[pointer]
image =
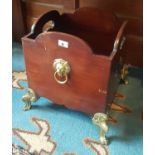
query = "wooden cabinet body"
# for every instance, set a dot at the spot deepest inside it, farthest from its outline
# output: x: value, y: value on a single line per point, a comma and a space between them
x: 94, y: 66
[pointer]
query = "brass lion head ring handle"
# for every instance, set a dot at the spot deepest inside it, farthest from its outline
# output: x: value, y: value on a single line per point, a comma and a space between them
x: 62, y: 70
x: 59, y: 81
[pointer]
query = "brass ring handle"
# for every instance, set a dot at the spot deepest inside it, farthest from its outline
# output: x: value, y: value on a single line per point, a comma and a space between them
x: 62, y: 70
x: 60, y: 82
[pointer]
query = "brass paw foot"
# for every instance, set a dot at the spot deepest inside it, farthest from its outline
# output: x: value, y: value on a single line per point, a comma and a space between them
x: 28, y: 98
x: 124, y: 73
x: 100, y: 119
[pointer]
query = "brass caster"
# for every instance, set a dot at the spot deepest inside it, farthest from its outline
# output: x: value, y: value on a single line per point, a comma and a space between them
x: 28, y: 98
x: 100, y: 119
x: 123, y: 75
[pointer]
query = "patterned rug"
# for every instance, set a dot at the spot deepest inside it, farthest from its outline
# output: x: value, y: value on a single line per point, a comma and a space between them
x: 55, y: 130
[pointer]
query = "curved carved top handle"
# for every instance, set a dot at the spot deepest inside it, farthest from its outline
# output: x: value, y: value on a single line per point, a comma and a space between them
x: 38, y: 25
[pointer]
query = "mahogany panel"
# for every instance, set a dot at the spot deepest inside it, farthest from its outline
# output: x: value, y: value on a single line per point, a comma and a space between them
x: 125, y: 7
x: 35, y: 9
x: 18, y: 30
x: 131, y: 10
x: 89, y: 73
x: 133, y: 51
x: 70, y: 4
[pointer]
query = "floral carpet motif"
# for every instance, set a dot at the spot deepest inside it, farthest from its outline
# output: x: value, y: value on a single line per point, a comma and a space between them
x: 40, y: 142
x: 17, y: 77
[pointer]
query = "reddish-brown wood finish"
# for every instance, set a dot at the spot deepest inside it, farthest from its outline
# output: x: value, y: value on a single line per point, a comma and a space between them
x: 33, y: 9
x: 94, y: 75
x: 18, y: 30
x: 131, y: 10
